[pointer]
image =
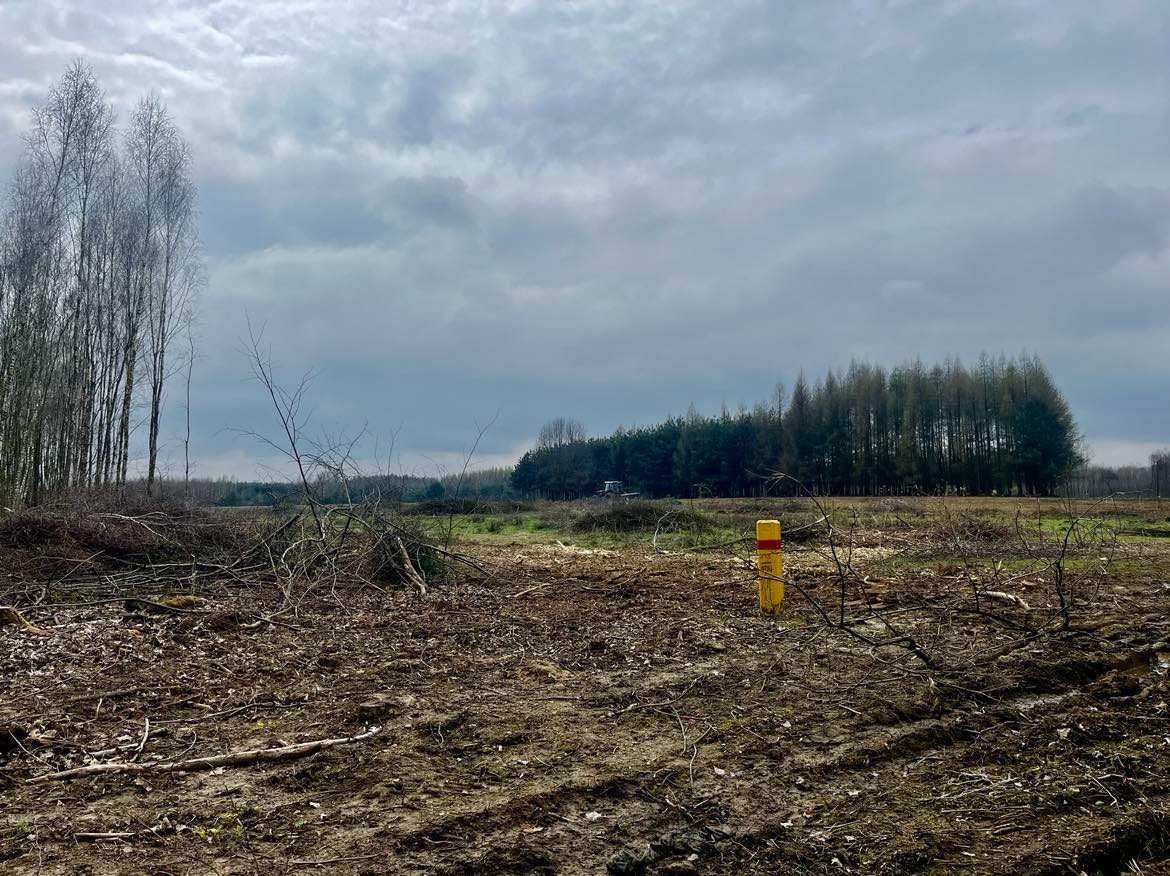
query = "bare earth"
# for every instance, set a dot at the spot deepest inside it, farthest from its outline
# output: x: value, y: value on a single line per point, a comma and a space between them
x: 579, y: 711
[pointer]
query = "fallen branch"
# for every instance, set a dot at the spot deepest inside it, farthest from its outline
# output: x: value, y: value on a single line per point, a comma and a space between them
x: 154, y: 733
x: 528, y: 590
x: 181, y: 605
x: 1006, y: 597
x: 141, y: 745
x: 408, y: 568
x: 122, y: 835
x: 10, y: 616
x: 236, y: 758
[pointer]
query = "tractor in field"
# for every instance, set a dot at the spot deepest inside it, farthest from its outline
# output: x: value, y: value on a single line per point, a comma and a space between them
x: 613, y: 491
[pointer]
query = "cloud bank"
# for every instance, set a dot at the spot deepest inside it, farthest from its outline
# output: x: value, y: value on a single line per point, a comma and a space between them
x: 612, y: 210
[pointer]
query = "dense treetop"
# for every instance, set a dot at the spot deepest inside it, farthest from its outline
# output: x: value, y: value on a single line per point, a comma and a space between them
x: 1002, y: 426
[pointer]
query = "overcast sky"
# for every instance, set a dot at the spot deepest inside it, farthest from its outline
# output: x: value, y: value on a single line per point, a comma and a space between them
x: 610, y: 210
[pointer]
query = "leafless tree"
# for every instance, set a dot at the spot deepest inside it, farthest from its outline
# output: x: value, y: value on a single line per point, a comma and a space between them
x: 1160, y: 472
x: 98, y: 269
x: 362, y: 540
x: 560, y: 431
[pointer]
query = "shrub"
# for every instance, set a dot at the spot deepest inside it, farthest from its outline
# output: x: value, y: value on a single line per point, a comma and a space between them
x: 639, y: 516
x: 443, y: 507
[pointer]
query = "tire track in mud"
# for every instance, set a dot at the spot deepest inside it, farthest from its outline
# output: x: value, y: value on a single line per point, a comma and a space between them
x: 491, y: 828
x: 544, y: 803
x: 879, y: 742
x: 516, y: 811
x: 1144, y: 831
x: 1141, y: 840
x: 877, y: 746
x: 493, y: 837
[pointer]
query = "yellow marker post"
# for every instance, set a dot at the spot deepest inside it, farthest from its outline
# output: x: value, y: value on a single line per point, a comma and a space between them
x: 769, y: 566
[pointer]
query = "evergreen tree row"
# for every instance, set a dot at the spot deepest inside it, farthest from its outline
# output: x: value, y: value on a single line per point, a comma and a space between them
x: 1000, y: 427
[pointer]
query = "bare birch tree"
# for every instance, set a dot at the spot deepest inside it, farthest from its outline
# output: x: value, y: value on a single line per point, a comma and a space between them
x: 98, y: 270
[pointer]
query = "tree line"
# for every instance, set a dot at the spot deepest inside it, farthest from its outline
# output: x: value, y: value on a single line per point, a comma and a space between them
x: 99, y: 265
x: 391, y: 489
x: 1000, y: 427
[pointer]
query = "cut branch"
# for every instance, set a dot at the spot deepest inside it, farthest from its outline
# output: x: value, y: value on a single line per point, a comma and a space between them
x: 235, y: 758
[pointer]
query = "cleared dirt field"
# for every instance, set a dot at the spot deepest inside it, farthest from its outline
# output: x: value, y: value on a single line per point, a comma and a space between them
x: 586, y: 708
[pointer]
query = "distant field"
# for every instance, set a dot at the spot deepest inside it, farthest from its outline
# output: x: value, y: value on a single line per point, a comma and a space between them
x: 694, y: 523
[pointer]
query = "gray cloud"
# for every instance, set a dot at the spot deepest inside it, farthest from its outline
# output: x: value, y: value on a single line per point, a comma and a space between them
x: 614, y: 210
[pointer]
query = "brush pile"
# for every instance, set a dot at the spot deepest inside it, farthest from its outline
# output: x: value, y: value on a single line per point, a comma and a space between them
x: 636, y: 516
x: 71, y: 552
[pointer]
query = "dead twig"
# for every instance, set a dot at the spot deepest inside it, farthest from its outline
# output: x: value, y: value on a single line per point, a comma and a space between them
x: 9, y: 616
x: 142, y: 744
x: 195, y: 764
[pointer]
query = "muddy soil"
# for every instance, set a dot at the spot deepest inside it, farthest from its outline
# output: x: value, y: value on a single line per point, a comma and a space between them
x: 585, y: 712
